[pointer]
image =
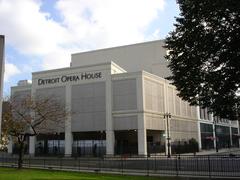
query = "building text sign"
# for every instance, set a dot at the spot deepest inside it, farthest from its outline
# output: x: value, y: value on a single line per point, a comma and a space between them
x: 71, y: 78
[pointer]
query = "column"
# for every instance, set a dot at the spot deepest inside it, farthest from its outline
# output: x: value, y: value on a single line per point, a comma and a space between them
x: 214, y: 135
x: 68, y: 125
x: 142, y: 131
x: 230, y: 132
x: 32, y: 145
x: 110, y: 138
x: 68, y: 143
x: 199, y: 128
x: 238, y: 126
x: 142, y: 136
x: 10, y: 145
x: 142, y: 142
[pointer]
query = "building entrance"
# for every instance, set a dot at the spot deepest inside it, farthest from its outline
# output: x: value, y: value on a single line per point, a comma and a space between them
x: 155, y: 142
x: 50, y: 144
x: 89, y: 144
x: 126, y: 142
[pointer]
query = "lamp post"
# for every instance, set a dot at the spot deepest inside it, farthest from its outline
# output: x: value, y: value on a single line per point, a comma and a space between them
x: 167, y: 116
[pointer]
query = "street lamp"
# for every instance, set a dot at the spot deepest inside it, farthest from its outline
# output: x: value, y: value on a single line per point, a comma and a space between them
x: 166, y: 116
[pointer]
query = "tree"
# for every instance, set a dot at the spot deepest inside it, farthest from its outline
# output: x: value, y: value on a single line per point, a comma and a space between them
x: 28, y: 117
x: 204, y: 55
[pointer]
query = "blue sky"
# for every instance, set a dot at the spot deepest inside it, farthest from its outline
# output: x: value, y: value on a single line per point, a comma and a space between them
x: 42, y: 34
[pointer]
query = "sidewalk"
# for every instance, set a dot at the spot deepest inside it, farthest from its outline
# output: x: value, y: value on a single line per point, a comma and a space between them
x: 226, y: 151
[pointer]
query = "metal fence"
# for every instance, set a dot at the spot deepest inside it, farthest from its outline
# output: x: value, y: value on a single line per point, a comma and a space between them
x: 178, y: 165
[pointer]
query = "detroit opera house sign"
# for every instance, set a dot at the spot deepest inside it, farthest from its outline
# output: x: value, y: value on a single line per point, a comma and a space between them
x: 74, y: 78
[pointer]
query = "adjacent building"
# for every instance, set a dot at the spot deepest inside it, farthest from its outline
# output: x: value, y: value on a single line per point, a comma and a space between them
x: 118, y: 97
x: 215, y: 132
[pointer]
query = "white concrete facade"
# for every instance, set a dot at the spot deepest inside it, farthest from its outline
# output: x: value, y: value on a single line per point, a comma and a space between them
x: 130, y: 96
x: 148, y: 56
x: 140, y: 97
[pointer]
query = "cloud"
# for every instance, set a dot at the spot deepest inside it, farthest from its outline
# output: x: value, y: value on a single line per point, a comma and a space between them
x: 55, y: 59
x: 28, y: 29
x: 10, y: 71
x: 85, y: 25
x: 108, y: 23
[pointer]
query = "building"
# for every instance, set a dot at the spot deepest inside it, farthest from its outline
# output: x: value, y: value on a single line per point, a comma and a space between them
x: 119, y: 98
x: 2, y: 42
x: 215, y: 132
x: 132, y: 58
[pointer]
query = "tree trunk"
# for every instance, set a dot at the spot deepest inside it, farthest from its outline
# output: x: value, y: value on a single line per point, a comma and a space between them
x: 20, y: 155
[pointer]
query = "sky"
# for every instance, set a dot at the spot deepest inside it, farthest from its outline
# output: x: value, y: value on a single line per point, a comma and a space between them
x: 42, y: 34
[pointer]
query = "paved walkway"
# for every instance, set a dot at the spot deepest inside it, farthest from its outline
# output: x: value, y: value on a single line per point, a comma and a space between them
x: 226, y: 151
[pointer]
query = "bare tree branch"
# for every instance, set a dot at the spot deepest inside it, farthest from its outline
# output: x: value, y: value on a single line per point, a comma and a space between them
x: 29, y: 117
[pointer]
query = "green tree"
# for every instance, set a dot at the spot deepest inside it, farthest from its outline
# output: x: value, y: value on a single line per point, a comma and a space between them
x: 204, y: 55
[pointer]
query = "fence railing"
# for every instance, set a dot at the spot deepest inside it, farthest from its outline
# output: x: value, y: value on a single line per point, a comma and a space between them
x: 177, y: 165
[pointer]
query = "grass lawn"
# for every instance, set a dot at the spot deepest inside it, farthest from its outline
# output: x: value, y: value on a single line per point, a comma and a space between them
x: 27, y: 174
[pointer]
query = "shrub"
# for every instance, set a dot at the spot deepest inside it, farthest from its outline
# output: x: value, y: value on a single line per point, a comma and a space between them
x: 181, y: 147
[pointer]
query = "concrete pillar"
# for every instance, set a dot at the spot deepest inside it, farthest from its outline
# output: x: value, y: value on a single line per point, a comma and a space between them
x: 199, y: 136
x: 142, y: 142
x: 142, y: 131
x: 238, y: 125
x: 230, y: 132
x: 68, y: 124
x: 68, y: 143
x: 140, y: 93
x: 32, y: 140
x: 142, y: 135
x: 110, y: 138
x: 10, y: 145
x: 199, y: 128
x: 214, y: 136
